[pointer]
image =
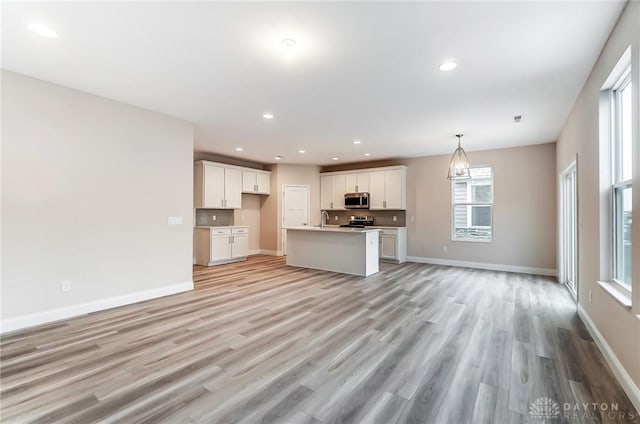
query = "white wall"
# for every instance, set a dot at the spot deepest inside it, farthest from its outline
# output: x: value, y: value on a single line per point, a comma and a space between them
x: 619, y: 326
x: 87, y: 186
x: 524, y: 210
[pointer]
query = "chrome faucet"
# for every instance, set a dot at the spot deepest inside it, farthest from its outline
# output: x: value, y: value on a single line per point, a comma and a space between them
x: 323, y: 215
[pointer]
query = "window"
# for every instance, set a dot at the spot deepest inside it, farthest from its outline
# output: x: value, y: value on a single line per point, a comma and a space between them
x: 621, y: 153
x: 473, y: 206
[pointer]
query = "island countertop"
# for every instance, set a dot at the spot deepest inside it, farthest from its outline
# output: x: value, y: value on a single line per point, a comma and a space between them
x: 334, y: 229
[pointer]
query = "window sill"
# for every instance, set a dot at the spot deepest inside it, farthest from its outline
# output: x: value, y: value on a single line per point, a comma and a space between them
x: 617, y: 293
x: 473, y: 240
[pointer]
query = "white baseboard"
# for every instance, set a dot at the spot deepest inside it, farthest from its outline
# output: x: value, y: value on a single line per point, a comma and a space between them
x: 264, y: 252
x: 25, y: 321
x: 483, y: 265
x: 623, y: 377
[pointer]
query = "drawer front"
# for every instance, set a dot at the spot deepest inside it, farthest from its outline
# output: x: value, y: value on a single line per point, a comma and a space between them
x: 220, y: 232
x: 239, y: 230
x: 389, y: 232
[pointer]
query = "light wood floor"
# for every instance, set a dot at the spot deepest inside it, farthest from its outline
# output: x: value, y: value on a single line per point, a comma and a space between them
x: 262, y: 342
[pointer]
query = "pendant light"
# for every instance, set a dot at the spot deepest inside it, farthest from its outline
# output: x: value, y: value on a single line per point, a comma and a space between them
x: 459, y: 164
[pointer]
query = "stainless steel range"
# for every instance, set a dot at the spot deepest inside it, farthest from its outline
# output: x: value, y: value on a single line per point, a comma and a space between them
x: 360, y: 222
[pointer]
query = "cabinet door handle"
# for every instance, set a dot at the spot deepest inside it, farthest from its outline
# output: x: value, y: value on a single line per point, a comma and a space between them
x: 384, y: 204
x: 356, y: 187
x: 222, y: 203
x: 229, y: 239
x: 331, y: 205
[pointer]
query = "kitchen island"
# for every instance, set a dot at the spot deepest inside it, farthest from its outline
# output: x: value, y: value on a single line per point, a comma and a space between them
x: 345, y: 250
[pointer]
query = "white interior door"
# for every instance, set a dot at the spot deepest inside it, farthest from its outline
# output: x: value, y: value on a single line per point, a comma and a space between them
x: 295, y: 209
x: 570, y: 229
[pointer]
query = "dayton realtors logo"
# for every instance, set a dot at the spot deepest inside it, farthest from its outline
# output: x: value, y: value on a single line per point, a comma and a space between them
x: 547, y: 410
x: 544, y: 408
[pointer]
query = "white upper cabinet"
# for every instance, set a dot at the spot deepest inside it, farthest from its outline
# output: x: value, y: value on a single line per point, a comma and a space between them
x: 339, y: 189
x: 209, y: 185
x: 219, y: 186
x: 257, y: 182
x: 332, y: 190
x: 387, y: 187
x: 395, y: 190
x: 357, y: 183
x: 232, y: 188
x: 326, y: 192
x: 377, y: 190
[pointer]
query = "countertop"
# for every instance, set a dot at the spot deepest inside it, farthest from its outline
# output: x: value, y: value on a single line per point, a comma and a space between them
x: 334, y: 229
x: 373, y: 227
x: 221, y: 226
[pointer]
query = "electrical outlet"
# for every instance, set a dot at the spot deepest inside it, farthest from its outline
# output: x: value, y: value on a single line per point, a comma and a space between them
x: 395, y: 218
x: 444, y: 248
x: 590, y: 296
x: 65, y: 286
x: 213, y: 217
x: 412, y: 219
x: 174, y: 220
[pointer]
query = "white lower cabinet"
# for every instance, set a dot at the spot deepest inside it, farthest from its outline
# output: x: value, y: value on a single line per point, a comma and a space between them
x: 392, y: 245
x: 220, y: 245
x: 239, y: 243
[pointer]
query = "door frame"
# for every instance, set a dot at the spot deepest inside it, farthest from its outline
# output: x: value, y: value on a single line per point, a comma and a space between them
x: 282, y: 248
x: 562, y: 275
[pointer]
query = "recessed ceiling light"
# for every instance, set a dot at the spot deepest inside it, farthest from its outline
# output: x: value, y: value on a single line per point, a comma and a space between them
x: 448, y: 66
x: 267, y: 115
x: 357, y: 142
x: 301, y: 151
x: 289, y: 43
x: 334, y: 158
x: 278, y: 157
x: 367, y: 154
x: 239, y: 149
x: 42, y: 30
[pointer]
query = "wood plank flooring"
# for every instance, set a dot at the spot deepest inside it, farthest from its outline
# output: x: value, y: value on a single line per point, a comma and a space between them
x: 258, y: 341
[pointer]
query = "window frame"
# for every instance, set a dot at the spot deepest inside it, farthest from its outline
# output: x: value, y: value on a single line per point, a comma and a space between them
x: 618, y: 185
x: 469, y: 213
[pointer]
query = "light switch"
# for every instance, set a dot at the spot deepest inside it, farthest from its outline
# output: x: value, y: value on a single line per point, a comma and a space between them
x: 174, y: 220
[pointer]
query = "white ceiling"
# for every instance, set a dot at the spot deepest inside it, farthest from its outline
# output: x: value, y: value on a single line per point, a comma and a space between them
x: 359, y: 70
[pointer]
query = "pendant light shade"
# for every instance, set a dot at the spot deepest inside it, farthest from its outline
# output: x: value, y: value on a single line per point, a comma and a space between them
x: 459, y: 164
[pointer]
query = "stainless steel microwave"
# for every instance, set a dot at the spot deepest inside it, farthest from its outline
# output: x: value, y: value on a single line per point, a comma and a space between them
x: 356, y: 201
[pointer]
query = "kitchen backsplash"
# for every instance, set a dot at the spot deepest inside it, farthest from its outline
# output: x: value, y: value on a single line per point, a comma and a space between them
x: 381, y: 218
x: 204, y: 217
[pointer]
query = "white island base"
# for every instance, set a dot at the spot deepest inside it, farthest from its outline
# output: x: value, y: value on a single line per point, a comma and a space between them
x: 346, y: 250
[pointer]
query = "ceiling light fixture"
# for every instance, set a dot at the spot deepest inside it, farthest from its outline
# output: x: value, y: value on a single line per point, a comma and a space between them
x: 449, y: 65
x: 42, y: 30
x: 268, y: 115
x: 301, y: 151
x: 278, y: 157
x: 367, y: 154
x: 459, y: 164
x: 289, y: 44
x: 357, y: 142
x: 335, y: 158
x: 239, y: 149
